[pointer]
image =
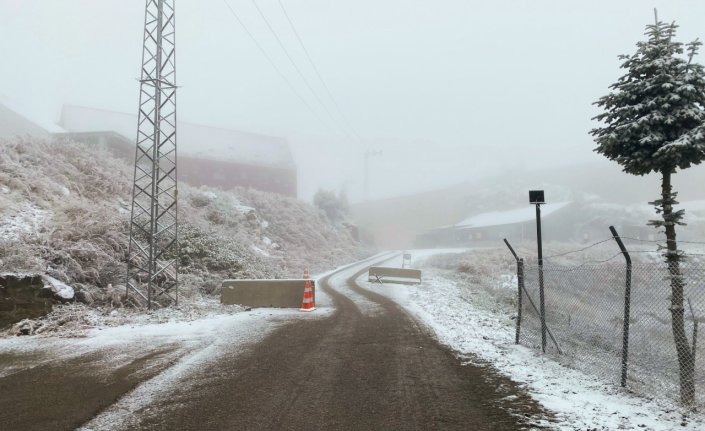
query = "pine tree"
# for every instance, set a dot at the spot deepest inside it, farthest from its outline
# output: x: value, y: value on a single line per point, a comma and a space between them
x: 654, y: 122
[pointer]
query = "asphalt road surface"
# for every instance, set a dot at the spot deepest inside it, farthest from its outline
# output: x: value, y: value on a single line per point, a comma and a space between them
x: 350, y: 371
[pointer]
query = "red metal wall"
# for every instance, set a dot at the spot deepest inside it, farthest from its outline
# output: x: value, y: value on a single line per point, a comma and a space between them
x: 227, y: 175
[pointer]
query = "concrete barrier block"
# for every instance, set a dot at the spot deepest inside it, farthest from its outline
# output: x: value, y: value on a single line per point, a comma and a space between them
x: 265, y: 293
x: 394, y: 275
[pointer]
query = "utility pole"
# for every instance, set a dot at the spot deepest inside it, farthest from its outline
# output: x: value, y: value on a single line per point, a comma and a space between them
x: 152, y: 266
x: 368, y: 154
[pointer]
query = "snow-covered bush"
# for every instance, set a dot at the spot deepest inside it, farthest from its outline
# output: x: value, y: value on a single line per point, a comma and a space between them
x: 73, y: 227
x: 335, y: 207
x: 315, y: 242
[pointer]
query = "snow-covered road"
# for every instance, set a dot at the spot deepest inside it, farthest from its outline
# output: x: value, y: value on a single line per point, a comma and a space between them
x: 147, y: 359
x: 114, y: 377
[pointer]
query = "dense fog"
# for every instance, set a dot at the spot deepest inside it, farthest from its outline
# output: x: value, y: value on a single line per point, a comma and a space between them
x: 448, y: 91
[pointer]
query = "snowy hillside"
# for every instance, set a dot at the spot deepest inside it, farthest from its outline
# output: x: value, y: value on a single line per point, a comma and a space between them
x: 65, y: 208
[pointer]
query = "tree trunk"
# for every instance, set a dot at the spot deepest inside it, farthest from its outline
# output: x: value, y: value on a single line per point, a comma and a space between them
x: 686, y: 362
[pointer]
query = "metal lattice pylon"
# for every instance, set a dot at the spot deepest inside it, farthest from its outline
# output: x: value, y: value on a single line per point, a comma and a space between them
x: 152, y: 269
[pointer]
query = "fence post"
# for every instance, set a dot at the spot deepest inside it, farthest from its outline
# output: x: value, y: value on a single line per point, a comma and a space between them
x: 520, y: 280
x: 520, y: 286
x: 542, y: 298
x: 627, y: 304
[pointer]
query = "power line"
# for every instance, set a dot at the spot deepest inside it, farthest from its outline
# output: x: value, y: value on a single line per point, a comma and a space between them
x: 315, y: 69
x: 279, y: 72
x: 293, y: 63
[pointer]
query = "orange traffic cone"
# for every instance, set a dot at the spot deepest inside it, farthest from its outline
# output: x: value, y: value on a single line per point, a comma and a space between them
x: 308, y: 304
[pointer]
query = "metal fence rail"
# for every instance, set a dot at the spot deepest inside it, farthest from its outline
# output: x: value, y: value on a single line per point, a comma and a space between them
x: 584, y: 316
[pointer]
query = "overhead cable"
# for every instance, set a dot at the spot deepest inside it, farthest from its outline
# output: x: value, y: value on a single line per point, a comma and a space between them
x: 293, y: 63
x: 318, y: 73
x: 274, y: 66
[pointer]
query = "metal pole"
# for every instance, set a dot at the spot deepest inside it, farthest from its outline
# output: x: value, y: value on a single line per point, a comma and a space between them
x: 368, y: 155
x: 520, y: 279
x: 367, y: 176
x: 520, y: 287
x: 627, y: 305
x: 520, y: 270
x: 542, y: 302
x: 511, y: 249
x: 154, y: 210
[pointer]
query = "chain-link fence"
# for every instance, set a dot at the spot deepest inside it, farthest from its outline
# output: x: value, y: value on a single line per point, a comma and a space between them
x: 584, y: 312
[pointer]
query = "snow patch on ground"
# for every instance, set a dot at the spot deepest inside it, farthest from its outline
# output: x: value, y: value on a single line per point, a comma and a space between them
x: 205, y: 340
x: 190, y: 345
x: 210, y: 195
x: 338, y: 283
x: 25, y: 221
x: 60, y: 289
x: 366, y: 307
x: 243, y: 209
x: 419, y: 255
x: 260, y: 251
x: 466, y: 321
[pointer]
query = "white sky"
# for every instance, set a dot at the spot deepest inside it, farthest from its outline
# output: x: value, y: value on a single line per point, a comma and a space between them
x: 447, y: 89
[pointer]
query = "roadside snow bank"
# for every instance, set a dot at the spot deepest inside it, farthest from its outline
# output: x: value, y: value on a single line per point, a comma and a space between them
x: 25, y: 221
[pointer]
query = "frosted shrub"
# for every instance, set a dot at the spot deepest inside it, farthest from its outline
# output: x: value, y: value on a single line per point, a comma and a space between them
x: 76, y: 200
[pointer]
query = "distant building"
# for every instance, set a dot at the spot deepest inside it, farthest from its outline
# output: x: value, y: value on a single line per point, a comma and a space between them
x: 585, y: 222
x: 208, y: 156
x: 518, y: 224
x: 16, y: 122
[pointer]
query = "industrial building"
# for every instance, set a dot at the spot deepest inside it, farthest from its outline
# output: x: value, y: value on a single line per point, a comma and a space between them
x: 209, y: 156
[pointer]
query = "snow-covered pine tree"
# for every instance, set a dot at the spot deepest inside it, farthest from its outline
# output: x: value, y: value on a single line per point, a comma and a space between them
x: 653, y: 122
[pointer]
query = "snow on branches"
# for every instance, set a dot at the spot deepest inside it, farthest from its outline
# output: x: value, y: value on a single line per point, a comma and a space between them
x: 653, y: 117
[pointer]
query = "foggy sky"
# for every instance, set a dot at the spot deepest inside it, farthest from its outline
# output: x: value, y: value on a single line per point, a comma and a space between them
x: 449, y: 90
